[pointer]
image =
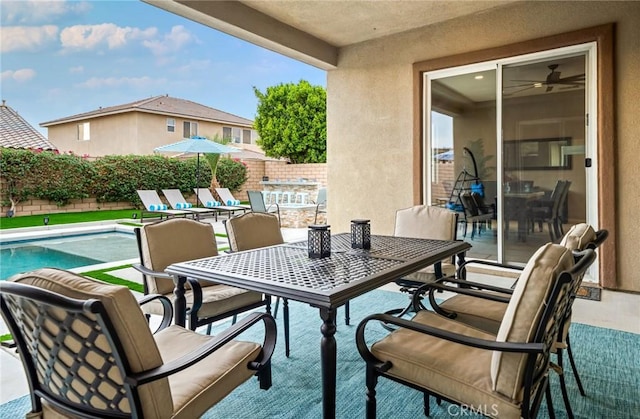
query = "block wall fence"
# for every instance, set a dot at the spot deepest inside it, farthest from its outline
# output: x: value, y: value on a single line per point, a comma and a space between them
x: 256, y: 170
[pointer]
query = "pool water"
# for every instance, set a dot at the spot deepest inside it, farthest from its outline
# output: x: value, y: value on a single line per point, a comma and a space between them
x: 66, y: 252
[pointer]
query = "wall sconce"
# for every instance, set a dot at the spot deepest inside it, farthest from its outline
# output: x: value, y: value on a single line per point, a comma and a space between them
x: 360, y: 234
x: 45, y: 220
x: 319, y: 241
x: 134, y: 215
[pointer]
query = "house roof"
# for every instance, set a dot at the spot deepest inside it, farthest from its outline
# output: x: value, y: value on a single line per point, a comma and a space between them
x: 161, y: 105
x: 15, y: 132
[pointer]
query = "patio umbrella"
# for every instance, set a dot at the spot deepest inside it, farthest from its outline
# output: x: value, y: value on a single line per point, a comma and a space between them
x: 197, y: 145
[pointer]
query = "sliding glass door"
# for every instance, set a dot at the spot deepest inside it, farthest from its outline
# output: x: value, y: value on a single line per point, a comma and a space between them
x: 507, y: 145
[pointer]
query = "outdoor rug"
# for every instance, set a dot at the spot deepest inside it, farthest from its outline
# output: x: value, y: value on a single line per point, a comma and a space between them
x: 607, y: 361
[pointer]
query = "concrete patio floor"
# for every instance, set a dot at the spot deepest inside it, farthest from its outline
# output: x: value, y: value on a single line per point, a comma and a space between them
x: 616, y: 310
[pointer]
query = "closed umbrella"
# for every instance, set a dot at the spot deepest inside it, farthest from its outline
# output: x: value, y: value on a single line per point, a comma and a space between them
x: 196, y: 145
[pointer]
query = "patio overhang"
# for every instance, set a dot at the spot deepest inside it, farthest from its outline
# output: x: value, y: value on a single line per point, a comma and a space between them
x: 314, y: 31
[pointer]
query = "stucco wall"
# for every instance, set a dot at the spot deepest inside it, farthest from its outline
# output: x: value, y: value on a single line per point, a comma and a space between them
x: 370, y: 110
x: 126, y: 133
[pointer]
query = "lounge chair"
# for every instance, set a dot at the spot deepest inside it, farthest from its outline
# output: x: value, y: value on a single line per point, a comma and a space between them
x: 207, y: 200
x: 256, y: 201
x: 177, y: 202
x: 154, y: 205
x: 227, y: 198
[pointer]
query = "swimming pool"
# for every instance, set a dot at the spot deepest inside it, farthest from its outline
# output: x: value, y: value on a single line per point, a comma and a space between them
x: 66, y: 252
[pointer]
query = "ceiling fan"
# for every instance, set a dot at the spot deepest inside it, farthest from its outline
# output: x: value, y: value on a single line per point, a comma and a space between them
x: 553, y: 79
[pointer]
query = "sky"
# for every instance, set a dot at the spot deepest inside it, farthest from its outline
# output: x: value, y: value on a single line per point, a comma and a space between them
x: 61, y: 58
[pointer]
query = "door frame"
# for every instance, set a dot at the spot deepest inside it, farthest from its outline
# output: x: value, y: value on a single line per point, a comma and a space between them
x: 603, y: 36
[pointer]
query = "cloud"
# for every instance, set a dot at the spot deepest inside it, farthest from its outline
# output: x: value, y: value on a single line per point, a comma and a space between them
x: 22, y: 75
x: 118, y: 82
x: 36, y: 11
x: 171, y: 42
x: 76, y: 70
x: 25, y: 38
x: 89, y: 37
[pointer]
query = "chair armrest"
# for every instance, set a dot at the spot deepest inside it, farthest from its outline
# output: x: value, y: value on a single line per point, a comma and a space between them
x: 213, y: 345
x: 195, y: 286
x: 146, y: 271
x: 462, y: 268
x: 463, y: 283
x: 518, y: 347
x: 167, y: 307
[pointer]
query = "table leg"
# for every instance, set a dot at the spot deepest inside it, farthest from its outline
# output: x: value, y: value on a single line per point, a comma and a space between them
x: 180, y: 303
x: 328, y: 358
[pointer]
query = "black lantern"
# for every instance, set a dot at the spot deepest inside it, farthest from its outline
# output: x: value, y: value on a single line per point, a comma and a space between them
x: 360, y: 234
x: 45, y: 220
x: 319, y: 241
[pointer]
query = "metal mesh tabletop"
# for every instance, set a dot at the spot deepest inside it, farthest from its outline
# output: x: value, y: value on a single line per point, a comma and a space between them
x: 290, y: 265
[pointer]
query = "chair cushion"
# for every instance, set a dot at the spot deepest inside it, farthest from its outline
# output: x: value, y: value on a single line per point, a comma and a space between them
x: 428, y: 274
x: 216, y: 299
x: 425, y: 221
x: 195, y: 389
x: 171, y: 241
x: 578, y: 237
x: 523, y: 314
x: 253, y: 230
x: 483, y: 314
x: 461, y: 373
x: 128, y: 322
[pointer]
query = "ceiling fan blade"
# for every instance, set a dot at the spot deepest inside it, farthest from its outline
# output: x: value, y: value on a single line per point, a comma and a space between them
x: 549, y: 88
x: 577, y: 77
x: 517, y: 91
x: 519, y: 85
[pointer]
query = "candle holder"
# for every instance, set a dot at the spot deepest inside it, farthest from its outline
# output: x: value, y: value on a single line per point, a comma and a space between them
x: 319, y: 241
x: 360, y: 234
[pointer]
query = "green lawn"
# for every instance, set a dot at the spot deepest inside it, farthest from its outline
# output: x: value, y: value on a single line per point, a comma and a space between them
x: 67, y: 218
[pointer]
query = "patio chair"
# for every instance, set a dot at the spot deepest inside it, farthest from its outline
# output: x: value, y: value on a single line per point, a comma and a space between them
x: 177, y: 201
x: 503, y: 374
x: 178, y: 240
x: 484, y: 306
x: 154, y: 205
x: 207, y: 200
x: 321, y: 203
x: 227, y: 198
x: 88, y: 352
x: 549, y: 210
x: 254, y: 230
x: 424, y: 222
x: 256, y: 201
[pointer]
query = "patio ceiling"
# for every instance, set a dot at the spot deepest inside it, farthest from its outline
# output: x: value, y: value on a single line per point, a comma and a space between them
x: 313, y: 31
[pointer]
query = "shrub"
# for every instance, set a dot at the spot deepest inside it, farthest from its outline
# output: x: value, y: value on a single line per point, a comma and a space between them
x: 63, y: 177
x: 231, y: 173
x: 45, y: 175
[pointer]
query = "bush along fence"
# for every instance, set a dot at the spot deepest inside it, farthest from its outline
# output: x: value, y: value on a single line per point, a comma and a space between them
x: 37, y: 182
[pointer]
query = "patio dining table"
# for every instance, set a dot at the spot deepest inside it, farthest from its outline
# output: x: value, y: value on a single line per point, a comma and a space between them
x: 287, y: 271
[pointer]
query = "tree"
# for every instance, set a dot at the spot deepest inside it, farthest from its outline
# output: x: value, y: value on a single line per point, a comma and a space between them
x: 292, y: 122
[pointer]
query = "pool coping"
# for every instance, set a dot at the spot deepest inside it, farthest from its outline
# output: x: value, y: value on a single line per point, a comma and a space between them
x: 46, y: 232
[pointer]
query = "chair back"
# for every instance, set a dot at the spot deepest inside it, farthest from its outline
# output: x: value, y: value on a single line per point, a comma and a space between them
x: 204, y: 195
x: 171, y: 241
x: 79, y: 339
x: 149, y: 197
x: 256, y: 201
x: 225, y: 195
x: 175, y: 197
x: 322, y: 197
x: 253, y: 230
x: 535, y: 314
x: 426, y: 222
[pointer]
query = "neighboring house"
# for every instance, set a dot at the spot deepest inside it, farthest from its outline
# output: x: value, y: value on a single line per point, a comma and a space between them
x: 15, y: 132
x: 139, y: 127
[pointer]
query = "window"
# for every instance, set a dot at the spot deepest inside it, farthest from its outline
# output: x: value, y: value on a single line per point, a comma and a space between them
x: 84, y: 132
x: 171, y: 125
x: 246, y: 136
x: 226, y: 133
x: 235, y: 135
x: 190, y: 129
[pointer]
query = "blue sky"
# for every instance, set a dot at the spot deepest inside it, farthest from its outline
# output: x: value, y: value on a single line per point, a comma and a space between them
x: 61, y: 58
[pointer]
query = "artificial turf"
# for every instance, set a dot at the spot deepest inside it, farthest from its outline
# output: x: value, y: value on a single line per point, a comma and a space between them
x: 66, y: 218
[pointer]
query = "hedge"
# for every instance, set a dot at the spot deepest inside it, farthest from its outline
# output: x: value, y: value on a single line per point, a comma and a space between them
x: 63, y: 177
